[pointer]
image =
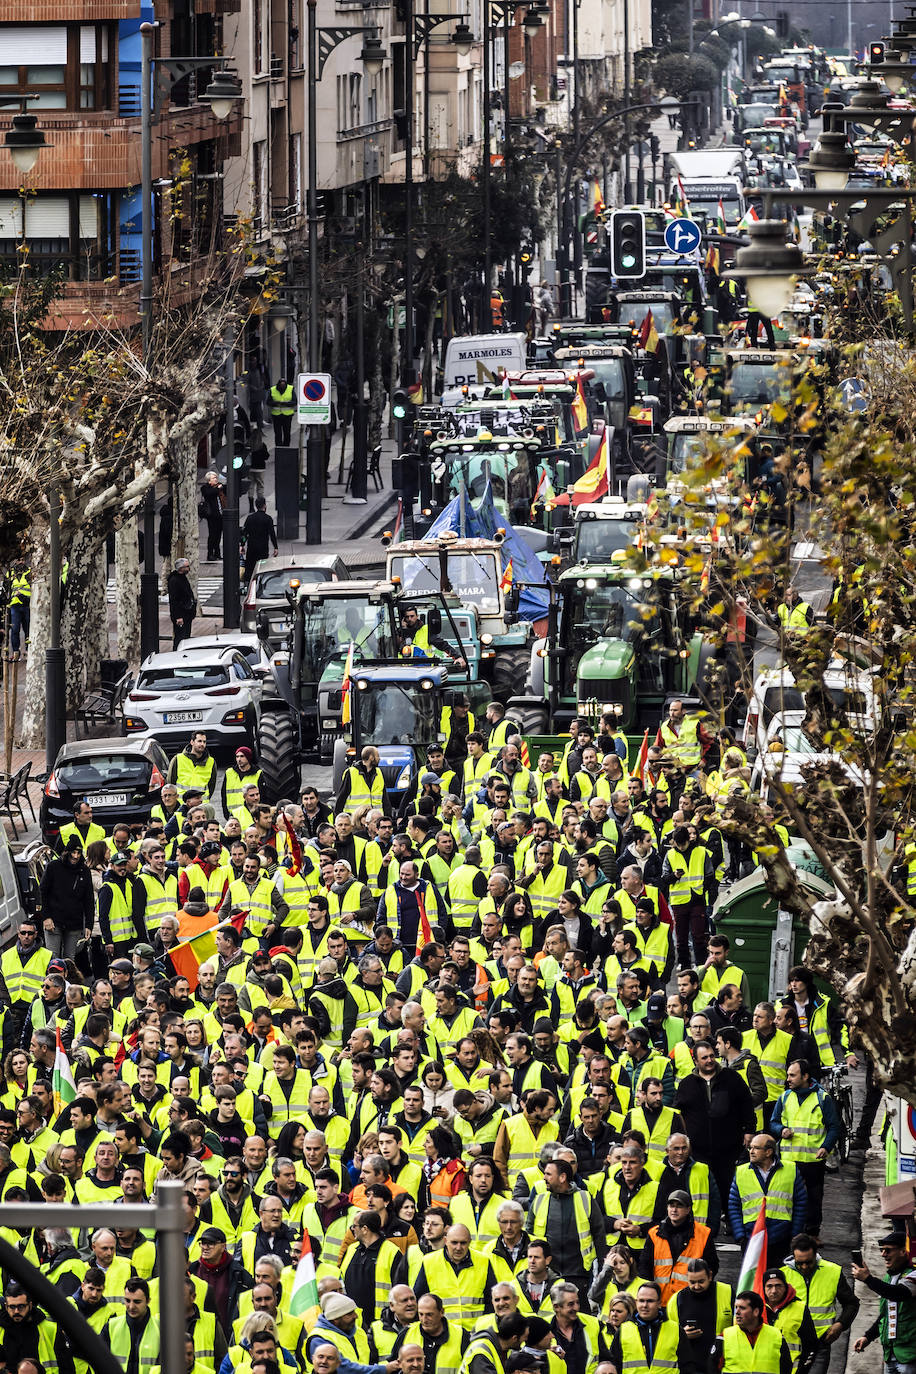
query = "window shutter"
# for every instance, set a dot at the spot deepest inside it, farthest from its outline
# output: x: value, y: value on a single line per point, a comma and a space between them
x: 87, y: 43
x: 89, y: 217
x: 47, y: 217
x: 39, y: 44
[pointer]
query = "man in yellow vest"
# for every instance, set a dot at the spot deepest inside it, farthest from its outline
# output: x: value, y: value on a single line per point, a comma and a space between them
x: 786, y: 1311
x: 282, y: 410
x: 794, y: 614
x: 463, y: 1279
x: 363, y: 784
x: 751, y: 1344
x: 81, y: 828
x: 648, y: 1344
x: 194, y: 766
x: 134, y: 1338
x: 682, y: 737
x: 19, y: 588
x: 689, y: 882
x: 571, y: 1222
x: 806, y: 1118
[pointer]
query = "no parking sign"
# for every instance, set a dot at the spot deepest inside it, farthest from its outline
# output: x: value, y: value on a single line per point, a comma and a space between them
x: 313, y: 398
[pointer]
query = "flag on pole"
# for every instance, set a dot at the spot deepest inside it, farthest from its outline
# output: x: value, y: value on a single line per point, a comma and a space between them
x: 682, y: 197
x: 647, y: 338
x: 346, y: 687
x: 720, y: 217
x: 592, y: 485
x: 295, y: 848
x: 507, y: 390
x: 640, y: 769
x: 543, y: 491
x: 424, y: 929
x: 753, y: 1266
x: 749, y: 217
x: 303, y: 1300
x: 62, y: 1082
x: 187, y: 957
x: 505, y: 582
x: 415, y: 393
x: 579, y: 408
x: 598, y: 206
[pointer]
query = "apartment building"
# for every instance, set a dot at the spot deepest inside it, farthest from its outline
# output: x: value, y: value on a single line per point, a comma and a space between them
x: 79, y: 210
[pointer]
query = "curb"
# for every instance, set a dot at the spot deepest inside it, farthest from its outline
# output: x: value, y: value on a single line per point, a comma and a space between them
x: 369, y: 517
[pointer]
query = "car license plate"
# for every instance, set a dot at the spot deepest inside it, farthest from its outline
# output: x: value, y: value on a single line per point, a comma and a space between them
x: 106, y: 799
x: 183, y: 717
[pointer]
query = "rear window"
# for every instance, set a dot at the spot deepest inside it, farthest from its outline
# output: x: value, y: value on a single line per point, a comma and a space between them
x: 851, y: 700
x: 101, y: 771
x: 274, y: 585
x: 185, y: 678
x: 779, y: 699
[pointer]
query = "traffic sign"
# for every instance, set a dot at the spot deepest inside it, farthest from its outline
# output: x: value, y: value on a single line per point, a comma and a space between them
x: 682, y: 236
x: 313, y: 398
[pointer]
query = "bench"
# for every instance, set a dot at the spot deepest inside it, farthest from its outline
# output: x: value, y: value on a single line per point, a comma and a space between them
x: 14, y: 789
x: 102, y: 707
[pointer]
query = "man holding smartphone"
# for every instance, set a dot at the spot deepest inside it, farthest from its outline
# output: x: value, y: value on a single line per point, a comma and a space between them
x: 702, y: 1310
x: 896, y: 1324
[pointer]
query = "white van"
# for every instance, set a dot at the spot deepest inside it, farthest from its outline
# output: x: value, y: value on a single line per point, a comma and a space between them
x: 480, y: 359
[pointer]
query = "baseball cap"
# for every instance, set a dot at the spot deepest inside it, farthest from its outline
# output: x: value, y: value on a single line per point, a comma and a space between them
x: 427, y: 779
x: 211, y: 847
x: 212, y: 1235
x: 656, y: 1007
x: 122, y: 857
x: 680, y: 1196
x: 145, y: 951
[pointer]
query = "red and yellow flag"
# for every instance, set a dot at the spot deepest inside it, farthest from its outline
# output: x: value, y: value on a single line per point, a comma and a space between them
x: 505, y: 582
x: 592, y: 485
x: 647, y: 338
x: 579, y: 408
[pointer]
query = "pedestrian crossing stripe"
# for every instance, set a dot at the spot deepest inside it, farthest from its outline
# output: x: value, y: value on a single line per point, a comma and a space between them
x: 206, y: 587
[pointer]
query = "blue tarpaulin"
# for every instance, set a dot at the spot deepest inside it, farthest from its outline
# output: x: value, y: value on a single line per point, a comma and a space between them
x: 482, y: 522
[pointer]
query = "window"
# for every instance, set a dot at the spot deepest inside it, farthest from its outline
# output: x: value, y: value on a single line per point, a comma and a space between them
x: 60, y: 67
x: 70, y: 233
x: 259, y: 179
x: 295, y: 170
x: 257, y: 35
x: 355, y: 101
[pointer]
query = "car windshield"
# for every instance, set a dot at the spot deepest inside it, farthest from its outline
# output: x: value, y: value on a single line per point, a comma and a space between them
x: 473, y: 576
x: 754, y: 115
x: 609, y: 611
x: 611, y: 372
x: 795, y: 741
x: 184, y: 677
x: 778, y: 699
x: 330, y: 626
x: 755, y: 384
x: 662, y: 314
x: 510, y: 476
x: 273, y: 586
x: 710, y: 208
x: 103, y: 770
x: 684, y: 449
x: 596, y: 540
x: 390, y: 714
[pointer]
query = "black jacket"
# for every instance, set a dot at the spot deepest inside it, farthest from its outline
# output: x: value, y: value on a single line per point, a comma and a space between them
x: 259, y: 534
x: 182, y: 602
x: 67, y: 896
x: 717, y: 1113
x: 591, y: 1154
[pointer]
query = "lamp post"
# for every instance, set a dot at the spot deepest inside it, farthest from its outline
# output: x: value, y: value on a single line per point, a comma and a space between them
x: 320, y: 44
x: 24, y: 141
x: 222, y: 95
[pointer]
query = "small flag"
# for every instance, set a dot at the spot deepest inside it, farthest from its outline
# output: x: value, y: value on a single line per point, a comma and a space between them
x: 647, y: 338
x: 640, y: 769
x: 62, y: 1078
x: 295, y: 848
x: 507, y: 390
x: 505, y: 582
x: 753, y: 1266
x: 682, y: 197
x: 704, y: 576
x: 187, y: 957
x: 592, y: 485
x: 652, y: 507
x: 579, y: 408
x: 525, y: 756
x: 712, y: 259
x: 303, y: 1300
x: 749, y: 217
x: 424, y: 929
x: 598, y: 205
x: 415, y: 393
x: 720, y: 217
x: 345, y: 687
x: 783, y: 96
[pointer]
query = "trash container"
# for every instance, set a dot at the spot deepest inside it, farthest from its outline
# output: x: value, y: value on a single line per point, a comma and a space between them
x: 765, y: 940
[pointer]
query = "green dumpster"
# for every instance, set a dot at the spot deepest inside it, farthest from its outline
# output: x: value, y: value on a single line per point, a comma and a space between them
x: 765, y: 940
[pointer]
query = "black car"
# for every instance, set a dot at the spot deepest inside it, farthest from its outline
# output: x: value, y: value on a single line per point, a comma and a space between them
x: 121, y: 779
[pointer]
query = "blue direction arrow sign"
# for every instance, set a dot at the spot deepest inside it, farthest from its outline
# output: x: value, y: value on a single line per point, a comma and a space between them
x: 682, y: 236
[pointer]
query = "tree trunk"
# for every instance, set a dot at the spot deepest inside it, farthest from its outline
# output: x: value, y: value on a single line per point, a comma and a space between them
x: 32, y: 733
x: 127, y: 578
x: 84, y: 615
x: 185, y: 522
x: 376, y: 382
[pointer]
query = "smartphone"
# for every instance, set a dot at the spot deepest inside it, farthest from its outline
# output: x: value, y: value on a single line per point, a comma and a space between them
x: 857, y: 1258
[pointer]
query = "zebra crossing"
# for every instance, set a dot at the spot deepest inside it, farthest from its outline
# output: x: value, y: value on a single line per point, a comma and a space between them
x: 207, y: 587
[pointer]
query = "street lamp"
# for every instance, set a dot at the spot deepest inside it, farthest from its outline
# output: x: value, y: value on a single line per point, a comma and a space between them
x: 894, y: 71
x: 24, y: 141
x: 769, y: 266
x: 373, y: 55
x: 223, y: 93
x: 463, y: 38
x: 533, y: 24
x: 831, y: 160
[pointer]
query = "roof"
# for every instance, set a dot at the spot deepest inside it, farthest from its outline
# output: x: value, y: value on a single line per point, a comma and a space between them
x: 421, y: 547
x: 111, y: 744
x: 396, y: 673
x: 296, y: 560
x: 177, y: 657
x: 356, y: 587
x: 702, y: 424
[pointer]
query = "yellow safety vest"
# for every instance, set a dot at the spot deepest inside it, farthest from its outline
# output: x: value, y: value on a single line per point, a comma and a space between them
x: 483, y: 1228
x: 540, y: 1204
x: 281, y: 400
x: 715, y: 979
x: 474, y: 771
x: 448, y: 1036
x: 23, y: 980
x: 235, y: 787
x: 545, y: 892
x: 689, y: 871
x: 285, y: 1109
x: 683, y: 747
x: 460, y: 889
x: 788, y: 1321
x: 386, y: 1258
x: 161, y: 898
x: 353, y: 1346
x: 119, y: 1340
x: 796, y: 619
x: 664, y: 1356
x: 740, y: 1357
x: 363, y: 791
x: 499, y: 735
x: 820, y: 1291
x: 641, y: 1210
x: 525, y: 1146
x: 462, y: 1293
x: 771, y: 1057
x: 20, y: 588
x: 258, y: 902
x: 657, y: 1137
x: 724, y: 1316
x: 448, y: 1354
x: 806, y: 1121
x: 191, y: 774
x: 94, y: 833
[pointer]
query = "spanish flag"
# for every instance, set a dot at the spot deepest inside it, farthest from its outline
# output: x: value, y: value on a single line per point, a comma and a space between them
x: 415, y: 393
x: 647, y: 338
x: 593, y: 484
x: 579, y: 408
x: 187, y: 957
x: 346, y: 687
x: 598, y: 206
x: 505, y: 582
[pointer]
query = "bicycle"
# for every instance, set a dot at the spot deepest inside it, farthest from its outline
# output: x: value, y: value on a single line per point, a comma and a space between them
x: 835, y: 1082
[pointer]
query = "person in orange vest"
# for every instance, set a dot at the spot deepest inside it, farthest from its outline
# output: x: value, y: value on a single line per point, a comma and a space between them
x: 195, y: 915
x: 672, y: 1243
x: 497, y: 304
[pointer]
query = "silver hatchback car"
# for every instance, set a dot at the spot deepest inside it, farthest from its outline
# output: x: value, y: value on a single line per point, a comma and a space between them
x: 270, y: 583
x: 177, y: 694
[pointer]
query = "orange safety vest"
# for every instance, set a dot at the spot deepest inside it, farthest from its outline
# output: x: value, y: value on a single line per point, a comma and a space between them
x: 671, y: 1273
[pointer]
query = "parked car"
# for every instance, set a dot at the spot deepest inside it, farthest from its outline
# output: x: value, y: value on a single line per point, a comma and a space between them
x: 177, y: 694
x: 270, y: 583
x: 262, y: 664
x: 775, y: 693
x: 120, y: 779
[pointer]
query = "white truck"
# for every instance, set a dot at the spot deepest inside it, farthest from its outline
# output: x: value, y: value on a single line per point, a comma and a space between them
x: 707, y: 176
x: 481, y: 359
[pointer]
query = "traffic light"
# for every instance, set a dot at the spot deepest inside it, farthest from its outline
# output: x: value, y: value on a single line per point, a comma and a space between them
x: 628, y: 244
x: 875, y: 53
x: 400, y: 404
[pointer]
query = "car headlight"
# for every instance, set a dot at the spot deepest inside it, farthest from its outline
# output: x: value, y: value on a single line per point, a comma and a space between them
x: 403, y: 781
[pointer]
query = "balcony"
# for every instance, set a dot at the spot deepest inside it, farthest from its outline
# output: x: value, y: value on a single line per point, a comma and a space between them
x: 112, y: 305
x: 78, y: 11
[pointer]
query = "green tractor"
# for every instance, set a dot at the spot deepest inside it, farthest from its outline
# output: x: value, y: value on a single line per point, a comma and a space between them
x: 302, y: 722
x: 613, y: 636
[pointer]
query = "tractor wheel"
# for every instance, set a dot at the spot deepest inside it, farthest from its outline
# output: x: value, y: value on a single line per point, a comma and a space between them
x: 510, y: 668
x: 530, y: 713
x: 278, y: 757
